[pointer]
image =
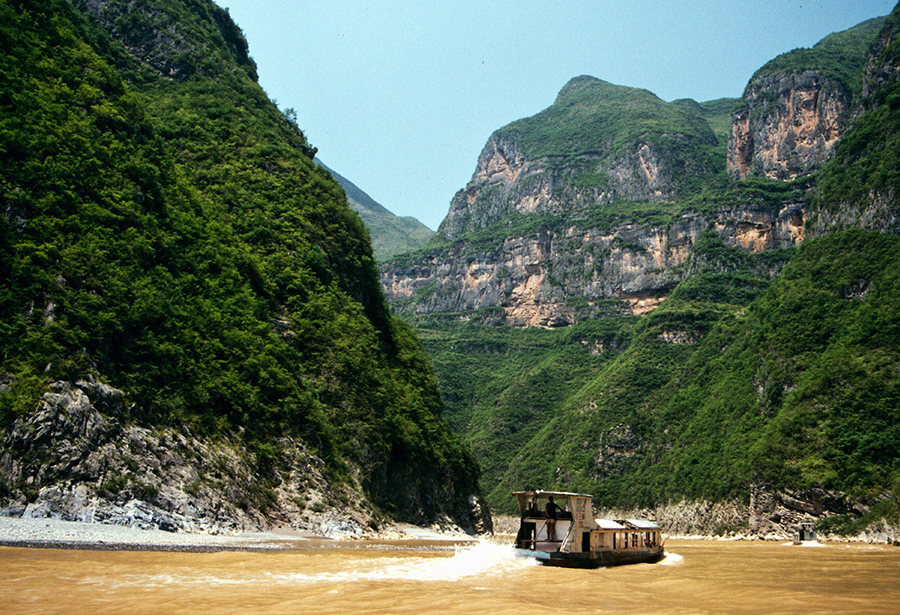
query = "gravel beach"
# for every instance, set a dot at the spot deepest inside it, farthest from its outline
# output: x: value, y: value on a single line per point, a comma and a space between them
x: 55, y: 533
x: 46, y: 532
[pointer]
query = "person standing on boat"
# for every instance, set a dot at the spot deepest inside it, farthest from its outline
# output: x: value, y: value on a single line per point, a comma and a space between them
x: 552, y: 509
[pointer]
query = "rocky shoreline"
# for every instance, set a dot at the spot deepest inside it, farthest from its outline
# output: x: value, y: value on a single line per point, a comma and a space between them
x: 44, y: 533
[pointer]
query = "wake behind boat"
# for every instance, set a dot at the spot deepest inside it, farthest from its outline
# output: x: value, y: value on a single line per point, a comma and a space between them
x: 558, y: 529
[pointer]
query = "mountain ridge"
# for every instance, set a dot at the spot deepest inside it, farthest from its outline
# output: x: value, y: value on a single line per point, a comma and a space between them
x: 391, y: 234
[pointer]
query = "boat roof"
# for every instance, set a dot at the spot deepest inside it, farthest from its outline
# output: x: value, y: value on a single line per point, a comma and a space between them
x: 556, y: 494
x: 609, y: 524
x: 642, y: 524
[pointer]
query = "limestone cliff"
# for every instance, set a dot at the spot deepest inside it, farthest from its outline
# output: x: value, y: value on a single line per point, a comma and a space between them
x: 541, y: 232
x: 598, y: 143
x: 789, y: 125
x: 566, y: 273
x: 796, y: 107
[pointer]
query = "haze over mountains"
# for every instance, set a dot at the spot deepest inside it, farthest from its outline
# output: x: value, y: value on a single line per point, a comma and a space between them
x: 391, y: 235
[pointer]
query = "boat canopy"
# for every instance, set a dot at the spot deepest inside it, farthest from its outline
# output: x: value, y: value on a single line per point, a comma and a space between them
x: 641, y: 524
x: 609, y: 524
x: 547, y: 494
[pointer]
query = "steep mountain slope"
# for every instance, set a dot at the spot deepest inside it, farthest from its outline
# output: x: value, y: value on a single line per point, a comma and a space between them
x: 391, y: 235
x: 164, y: 230
x: 598, y: 143
x: 732, y: 364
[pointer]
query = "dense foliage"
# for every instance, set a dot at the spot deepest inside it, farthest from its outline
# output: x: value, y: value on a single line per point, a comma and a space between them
x: 840, y: 56
x: 865, y: 171
x: 163, y: 226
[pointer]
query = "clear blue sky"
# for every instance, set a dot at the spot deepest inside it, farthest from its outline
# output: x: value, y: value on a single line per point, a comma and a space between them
x: 400, y: 96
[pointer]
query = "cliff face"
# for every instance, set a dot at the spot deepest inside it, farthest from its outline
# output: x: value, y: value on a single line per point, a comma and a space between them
x: 534, y: 278
x: 859, y: 188
x: 788, y: 127
x: 598, y: 143
x: 525, y: 235
x: 796, y: 108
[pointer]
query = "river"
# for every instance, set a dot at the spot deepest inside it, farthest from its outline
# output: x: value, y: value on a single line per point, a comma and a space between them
x: 695, y: 577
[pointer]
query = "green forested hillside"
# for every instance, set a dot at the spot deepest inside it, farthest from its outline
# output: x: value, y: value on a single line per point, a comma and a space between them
x: 163, y: 227
x: 797, y: 389
x: 840, y: 56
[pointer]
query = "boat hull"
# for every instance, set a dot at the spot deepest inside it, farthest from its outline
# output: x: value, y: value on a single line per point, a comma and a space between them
x: 595, y: 559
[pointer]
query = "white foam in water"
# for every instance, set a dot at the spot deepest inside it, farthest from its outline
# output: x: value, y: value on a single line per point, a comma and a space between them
x: 483, y: 559
x: 671, y: 559
x: 805, y: 543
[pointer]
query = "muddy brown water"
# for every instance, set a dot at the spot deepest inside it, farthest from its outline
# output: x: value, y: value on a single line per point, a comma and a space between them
x: 695, y: 577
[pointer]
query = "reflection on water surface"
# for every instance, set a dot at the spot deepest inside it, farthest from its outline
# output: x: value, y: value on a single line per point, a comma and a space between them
x: 695, y: 577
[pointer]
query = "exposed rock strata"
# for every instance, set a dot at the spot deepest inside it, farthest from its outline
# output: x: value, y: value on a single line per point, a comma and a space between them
x: 73, y: 459
x: 788, y: 126
x: 534, y: 278
x: 506, y: 182
x: 767, y: 514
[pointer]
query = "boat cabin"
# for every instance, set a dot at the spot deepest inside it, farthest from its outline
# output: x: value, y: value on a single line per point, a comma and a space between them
x: 806, y: 532
x: 562, y: 522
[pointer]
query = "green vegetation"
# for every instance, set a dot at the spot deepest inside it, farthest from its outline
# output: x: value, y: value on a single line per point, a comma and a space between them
x: 839, y: 56
x: 591, y: 116
x: 778, y: 368
x: 729, y: 382
x: 174, y: 237
x: 391, y: 235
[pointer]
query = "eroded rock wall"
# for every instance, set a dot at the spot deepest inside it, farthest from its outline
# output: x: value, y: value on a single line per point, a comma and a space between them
x: 507, y: 182
x: 560, y: 276
x: 788, y: 126
x: 75, y: 459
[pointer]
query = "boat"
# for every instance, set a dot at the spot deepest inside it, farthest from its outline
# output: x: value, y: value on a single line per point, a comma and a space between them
x: 806, y: 533
x: 558, y: 528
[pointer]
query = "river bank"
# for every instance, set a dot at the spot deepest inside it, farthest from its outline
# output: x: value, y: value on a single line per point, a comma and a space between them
x: 56, y: 533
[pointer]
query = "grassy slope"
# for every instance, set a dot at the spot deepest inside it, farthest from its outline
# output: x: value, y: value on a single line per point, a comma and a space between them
x: 175, y: 238
x: 591, y: 116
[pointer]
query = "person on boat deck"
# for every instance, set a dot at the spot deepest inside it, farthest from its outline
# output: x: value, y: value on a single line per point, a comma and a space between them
x: 552, y: 510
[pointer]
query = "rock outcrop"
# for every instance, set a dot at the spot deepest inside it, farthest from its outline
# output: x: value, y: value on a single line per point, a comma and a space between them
x: 562, y: 275
x: 75, y: 459
x: 596, y: 144
x: 768, y: 514
x: 531, y: 239
x: 789, y: 125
